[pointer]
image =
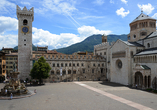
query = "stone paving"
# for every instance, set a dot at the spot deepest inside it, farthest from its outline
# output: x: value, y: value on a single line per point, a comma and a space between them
x: 71, y: 96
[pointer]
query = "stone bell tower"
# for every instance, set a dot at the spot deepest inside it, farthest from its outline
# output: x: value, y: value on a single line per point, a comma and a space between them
x: 104, y: 38
x: 25, y: 19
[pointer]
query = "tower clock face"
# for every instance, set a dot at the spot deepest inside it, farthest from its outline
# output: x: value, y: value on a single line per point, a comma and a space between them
x: 25, y: 29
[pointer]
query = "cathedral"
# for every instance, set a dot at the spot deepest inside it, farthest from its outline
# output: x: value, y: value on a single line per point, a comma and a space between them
x: 133, y: 62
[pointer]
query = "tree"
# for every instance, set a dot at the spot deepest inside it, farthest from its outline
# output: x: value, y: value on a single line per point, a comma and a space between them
x: 40, y: 70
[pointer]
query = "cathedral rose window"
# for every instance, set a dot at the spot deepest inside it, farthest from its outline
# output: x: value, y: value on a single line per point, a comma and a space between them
x: 119, y: 64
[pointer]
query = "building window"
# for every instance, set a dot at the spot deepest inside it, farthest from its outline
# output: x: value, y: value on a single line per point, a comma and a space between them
x: 98, y: 65
x: 104, y: 53
x: 11, y: 58
x: 100, y: 53
x: 102, y: 64
x: 69, y: 71
x: 83, y: 70
x: 77, y: 64
x: 82, y: 64
x: 65, y: 64
x: 24, y: 39
x: 92, y: 70
x: 74, y: 72
x: 73, y: 64
x: 3, y: 71
x: 53, y: 64
x: 52, y: 72
x: 61, y: 64
x: 134, y: 36
x: 57, y: 64
x: 93, y: 64
x: 64, y: 72
x: 148, y: 45
x: 69, y: 64
x: 6, y: 66
x: 24, y: 44
x: 58, y: 72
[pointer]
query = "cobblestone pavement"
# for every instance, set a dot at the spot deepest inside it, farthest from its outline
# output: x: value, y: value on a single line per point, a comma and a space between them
x: 72, y: 96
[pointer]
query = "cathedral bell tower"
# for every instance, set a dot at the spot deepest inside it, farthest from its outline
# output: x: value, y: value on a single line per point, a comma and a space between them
x: 104, y: 38
x: 25, y: 19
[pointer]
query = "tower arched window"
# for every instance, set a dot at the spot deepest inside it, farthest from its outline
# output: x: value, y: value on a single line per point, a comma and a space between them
x: 148, y: 45
x: 143, y: 33
x: 25, y: 22
x: 134, y: 36
x: 128, y: 37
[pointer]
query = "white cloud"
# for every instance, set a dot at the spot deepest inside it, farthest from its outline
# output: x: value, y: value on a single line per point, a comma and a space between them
x: 86, y: 31
x: 8, y: 24
x: 44, y: 38
x: 122, y: 13
x: 57, y: 6
x: 124, y: 1
x: 99, y: 2
x: 148, y: 8
x: 25, y: 3
x: 111, y: 1
x: 7, y: 7
x: 155, y: 16
x: 8, y: 41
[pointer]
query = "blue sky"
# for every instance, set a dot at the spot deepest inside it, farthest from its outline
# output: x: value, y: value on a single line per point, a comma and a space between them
x: 60, y: 23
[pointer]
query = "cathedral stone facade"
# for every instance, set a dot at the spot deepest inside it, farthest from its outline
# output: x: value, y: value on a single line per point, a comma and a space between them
x: 134, y: 62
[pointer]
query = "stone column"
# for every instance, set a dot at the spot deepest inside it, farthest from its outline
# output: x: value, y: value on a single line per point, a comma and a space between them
x: 143, y: 85
x: 133, y: 80
x: 147, y: 81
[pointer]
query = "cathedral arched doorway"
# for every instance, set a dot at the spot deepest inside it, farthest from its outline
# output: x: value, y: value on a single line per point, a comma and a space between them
x: 138, y: 79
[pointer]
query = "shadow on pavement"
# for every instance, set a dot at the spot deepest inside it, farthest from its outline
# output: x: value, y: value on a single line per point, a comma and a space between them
x: 107, y: 83
x: 32, y: 85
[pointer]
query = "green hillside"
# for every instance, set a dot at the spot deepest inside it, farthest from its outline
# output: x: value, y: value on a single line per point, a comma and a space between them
x: 88, y: 43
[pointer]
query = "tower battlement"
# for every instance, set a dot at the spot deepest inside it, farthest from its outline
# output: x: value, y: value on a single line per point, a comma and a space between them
x: 25, y: 12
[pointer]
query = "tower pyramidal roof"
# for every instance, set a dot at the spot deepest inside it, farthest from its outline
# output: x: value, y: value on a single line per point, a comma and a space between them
x: 142, y: 16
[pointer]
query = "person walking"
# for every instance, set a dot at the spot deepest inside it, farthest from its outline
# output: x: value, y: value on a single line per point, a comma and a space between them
x: 11, y: 96
x: 6, y: 92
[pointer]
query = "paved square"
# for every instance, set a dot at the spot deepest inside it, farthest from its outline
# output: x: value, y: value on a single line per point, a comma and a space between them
x: 72, y: 96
